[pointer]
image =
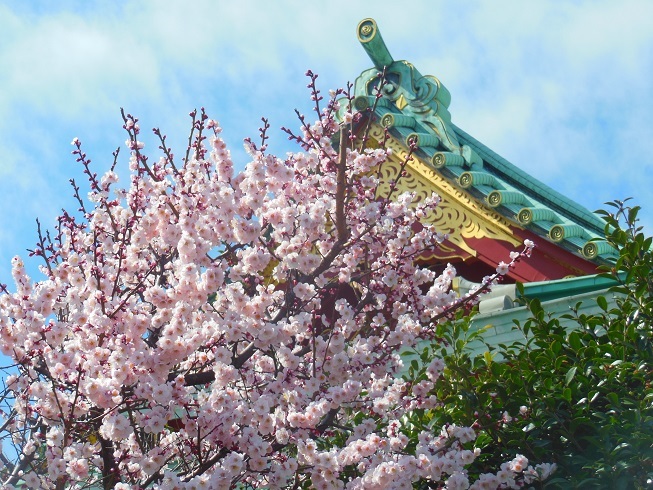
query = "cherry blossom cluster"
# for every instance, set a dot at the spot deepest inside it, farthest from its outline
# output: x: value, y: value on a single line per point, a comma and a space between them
x: 207, y: 328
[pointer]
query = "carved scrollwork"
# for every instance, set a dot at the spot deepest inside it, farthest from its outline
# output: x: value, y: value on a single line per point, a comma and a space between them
x: 425, y: 91
x: 420, y: 95
x: 459, y: 215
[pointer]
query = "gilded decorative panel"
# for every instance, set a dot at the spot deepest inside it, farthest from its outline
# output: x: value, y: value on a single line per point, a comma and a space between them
x: 459, y: 215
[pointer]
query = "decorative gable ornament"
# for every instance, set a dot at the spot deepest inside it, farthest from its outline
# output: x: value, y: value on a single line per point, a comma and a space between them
x: 489, y: 206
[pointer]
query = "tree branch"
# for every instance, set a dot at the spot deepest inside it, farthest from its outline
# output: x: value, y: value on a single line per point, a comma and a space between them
x: 341, y: 187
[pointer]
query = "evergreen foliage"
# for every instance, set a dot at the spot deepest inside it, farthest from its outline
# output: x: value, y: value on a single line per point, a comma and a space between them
x: 579, y: 397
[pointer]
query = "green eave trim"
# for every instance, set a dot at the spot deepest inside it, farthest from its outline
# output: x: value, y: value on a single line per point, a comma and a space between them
x: 561, y: 288
x: 501, y: 185
x: 543, y: 193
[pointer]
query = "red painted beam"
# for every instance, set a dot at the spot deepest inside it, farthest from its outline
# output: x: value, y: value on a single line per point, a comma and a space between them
x: 548, y: 261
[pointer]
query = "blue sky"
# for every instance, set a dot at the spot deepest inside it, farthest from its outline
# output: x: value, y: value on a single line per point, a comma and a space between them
x: 560, y: 89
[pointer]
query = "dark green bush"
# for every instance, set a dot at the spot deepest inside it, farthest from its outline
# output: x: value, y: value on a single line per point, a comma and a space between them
x: 579, y: 397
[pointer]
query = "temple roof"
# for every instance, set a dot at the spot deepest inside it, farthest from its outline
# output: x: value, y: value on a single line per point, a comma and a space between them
x: 414, y: 111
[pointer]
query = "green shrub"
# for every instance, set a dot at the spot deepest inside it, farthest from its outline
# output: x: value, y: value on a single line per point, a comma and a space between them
x: 580, y: 397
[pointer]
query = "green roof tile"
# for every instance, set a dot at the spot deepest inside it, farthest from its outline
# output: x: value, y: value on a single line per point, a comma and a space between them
x: 517, y: 177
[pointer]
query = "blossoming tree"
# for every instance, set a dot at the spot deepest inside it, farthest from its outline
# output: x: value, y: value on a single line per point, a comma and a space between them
x: 203, y: 328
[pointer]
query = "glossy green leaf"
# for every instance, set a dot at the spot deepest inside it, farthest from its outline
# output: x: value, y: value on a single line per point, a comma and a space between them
x: 570, y: 375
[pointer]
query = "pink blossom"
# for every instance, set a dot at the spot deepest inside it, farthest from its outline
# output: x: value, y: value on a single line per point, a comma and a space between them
x: 502, y: 268
x: 221, y: 321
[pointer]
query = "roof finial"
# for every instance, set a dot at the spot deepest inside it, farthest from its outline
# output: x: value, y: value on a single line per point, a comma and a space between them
x: 370, y: 37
